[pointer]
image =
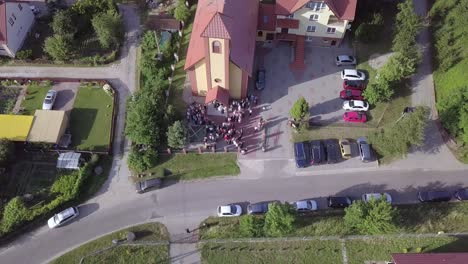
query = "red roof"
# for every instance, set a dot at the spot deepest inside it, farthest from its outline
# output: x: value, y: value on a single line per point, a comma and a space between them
x: 230, y: 19
x: 287, y: 23
x: 266, y: 17
x: 430, y: 258
x: 3, y: 21
x: 343, y: 9
x: 219, y: 94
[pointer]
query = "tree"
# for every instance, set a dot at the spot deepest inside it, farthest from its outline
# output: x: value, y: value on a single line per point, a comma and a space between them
x: 181, y: 12
x: 63, y: 23
x: 177, y: 135
x: 108, y: 28
x: 251, y: 226
x: 7, y: 151
x: 380, y: 91
x: 14, y: 214
x: 408, y: 25
x: 300, y: 110
x: 279, y: 219
x: 141, y: 160
x: 373, y: 217
x: 91, y: 7
x: 59, y: 47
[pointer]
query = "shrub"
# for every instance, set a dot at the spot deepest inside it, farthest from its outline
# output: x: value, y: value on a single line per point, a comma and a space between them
x: 373, y: 217
x: 63, y: 23
x: 181, y: 12
x: 24, y: 54
x: 65, y: 186
x: 59, y: 47
x: 177, y: 135
x: 108, y: 27
x: 279, y: 219
x: 251, y: 226
x: 141, y: 160
x: 7, y: 151
x: 300, y: 110
x: 364, y: 33
x: 14, y: 214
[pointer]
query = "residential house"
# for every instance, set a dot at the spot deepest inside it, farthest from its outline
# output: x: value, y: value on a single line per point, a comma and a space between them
x: 220, y: 55
x: 430, y: 258
x: 16, y: 19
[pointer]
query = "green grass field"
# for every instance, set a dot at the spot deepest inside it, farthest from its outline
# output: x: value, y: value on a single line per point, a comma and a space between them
x: 194, y: 166
x: 123, y: 254
x: 34, y: 98
x: 91, y: 119
x: 307, y: 252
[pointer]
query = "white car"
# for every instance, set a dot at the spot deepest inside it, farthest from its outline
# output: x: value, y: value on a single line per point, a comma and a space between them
x: 355, y: 105
x: 49, y: 100
x: 305, y: 206
x: 344, y: 60
x: 376, y: 196
x: 63, y: 217
x: 229, y: 210
x: 354, y: 75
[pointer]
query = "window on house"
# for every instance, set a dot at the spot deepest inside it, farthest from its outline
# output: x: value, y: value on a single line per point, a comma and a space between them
x: 11, y: 21
x: 216, y: 46
x: 265, y: 19
x: 317, y: 6
x: 20, y: 7
x: 331, y: 30
x: 311, y: 28
x: 13, y: 16
x: 290, y: 16
x: 314, y: 17
x: 260, y: 33
x: 309, y: 38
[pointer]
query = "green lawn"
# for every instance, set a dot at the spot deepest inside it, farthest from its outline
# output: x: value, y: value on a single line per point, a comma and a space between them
x: 124, y: 254
x: 34, y: 98
x: 310, y: 252
x: 193, y: 166
x: 91, y: 119
x: 360, y: 251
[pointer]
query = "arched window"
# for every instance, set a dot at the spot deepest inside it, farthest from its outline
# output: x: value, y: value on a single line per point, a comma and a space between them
x: 216, y: 46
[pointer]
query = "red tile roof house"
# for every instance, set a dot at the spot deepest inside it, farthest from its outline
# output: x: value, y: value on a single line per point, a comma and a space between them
x: 16, y: 19
x: 430, y: 258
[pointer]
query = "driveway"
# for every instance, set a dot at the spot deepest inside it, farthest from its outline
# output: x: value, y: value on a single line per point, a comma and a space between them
x: 66, y: 94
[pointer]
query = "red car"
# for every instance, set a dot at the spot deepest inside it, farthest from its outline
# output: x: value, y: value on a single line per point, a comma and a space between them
x: 354, y: 85
x: 351, y: 94
x: 358, y: 117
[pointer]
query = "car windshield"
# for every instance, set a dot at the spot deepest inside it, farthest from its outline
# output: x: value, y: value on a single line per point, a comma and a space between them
x: 56, y: 219
x: 351, y: 103
x: 233, y: 209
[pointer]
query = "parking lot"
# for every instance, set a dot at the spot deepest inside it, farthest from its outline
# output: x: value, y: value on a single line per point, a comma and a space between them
x: 320, y: 84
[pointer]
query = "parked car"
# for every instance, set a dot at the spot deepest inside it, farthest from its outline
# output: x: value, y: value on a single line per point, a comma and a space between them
x: 301, y: 154
x: 351, y: 94
x: 144, y: 186
x: 357, y: 117
x: 259, y: 208
x: 332, y: 149
x: 351, y: 74
x: 344, y: 60
x: 49, y: 100
x: 305, y: 206
x: 354, y: 85
x: 338, y: 202
x: 317, y: 152
x: 345, y: 148
x: 376, y: 196
x: 434, y: 196
x: 462, y: 194
x: 355, y: 105
x: 261, y: 78
x: 63, y: 217
x: 364, y: 149
x: 229, y: 210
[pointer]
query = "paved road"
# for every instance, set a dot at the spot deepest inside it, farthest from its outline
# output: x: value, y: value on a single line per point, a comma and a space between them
x: 185, y: 204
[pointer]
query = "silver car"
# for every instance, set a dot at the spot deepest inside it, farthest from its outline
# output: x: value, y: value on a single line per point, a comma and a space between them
x: 63, y: 217
x: 49, y: 100
x: 305, y: 206
x: 345, y: 60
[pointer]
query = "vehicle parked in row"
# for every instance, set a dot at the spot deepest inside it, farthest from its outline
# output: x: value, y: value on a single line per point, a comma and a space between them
x: 305, y: 206
x: 259, y: 208
x: 49, y: 100
x: 332, y: 149
x: 317, y: 152
x: 462, y: 194
x: 345, y: 148
x: 356, y: 117
x: 229, y: 210
x: 261, y: 79
x: 351, y: 94
x: 434, y: 196
x: 352, y: 74
x: 63, y: 217
x: 365, y: 151
x: 345, y: 60
x: 144, y: 186
x: 376, y: 196
x: 354, y: 85
x: 338, y: 202
x: 301, y: 154
x: 355, y: 105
